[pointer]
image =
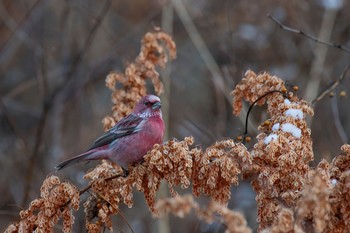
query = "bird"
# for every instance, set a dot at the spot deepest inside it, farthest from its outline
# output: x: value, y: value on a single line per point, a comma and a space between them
x: 129, y: 139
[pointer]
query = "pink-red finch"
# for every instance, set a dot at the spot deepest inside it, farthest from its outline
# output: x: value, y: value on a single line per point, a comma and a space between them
x: 130, y: 139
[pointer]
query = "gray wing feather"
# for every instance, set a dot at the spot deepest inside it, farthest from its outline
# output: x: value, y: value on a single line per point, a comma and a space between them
x: 126, y: 126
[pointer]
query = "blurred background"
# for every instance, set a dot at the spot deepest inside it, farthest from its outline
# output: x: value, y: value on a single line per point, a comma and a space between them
x: 55, y: 55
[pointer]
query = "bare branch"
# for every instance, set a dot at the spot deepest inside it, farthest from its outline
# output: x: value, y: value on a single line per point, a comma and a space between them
x: 284, y: 27
x: 331, y: 86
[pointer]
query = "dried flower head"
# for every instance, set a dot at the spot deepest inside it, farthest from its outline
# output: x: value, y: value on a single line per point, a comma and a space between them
x: 217, y: 169
x: 57, y: 199
x: 171, y: 161
x: 284, y: 223
x: 291, y: 196
x: 213, y: 172
x: 284, y: 148
x: 106, y: 183
x: 253, y: 86
x: 154, y: 48
x: 182, y: 205
x: 314, y: 204
x: 340, y: 196
x: 340, y: 163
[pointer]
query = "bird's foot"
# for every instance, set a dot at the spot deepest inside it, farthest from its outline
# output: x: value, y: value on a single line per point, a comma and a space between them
x: 126, y: 172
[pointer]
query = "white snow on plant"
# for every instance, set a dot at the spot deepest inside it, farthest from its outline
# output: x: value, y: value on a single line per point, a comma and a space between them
x: 334, y: 182
x: 290, y: 128
x: 296, y: 113
x: 269, y: 138
x: 276, y: 127
x: 287, y: 101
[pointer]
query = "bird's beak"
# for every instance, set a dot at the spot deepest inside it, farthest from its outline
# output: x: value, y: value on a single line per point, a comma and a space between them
x: 156, y: 105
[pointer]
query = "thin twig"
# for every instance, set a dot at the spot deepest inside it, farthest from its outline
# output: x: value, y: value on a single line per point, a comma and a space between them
x: 332, y: 86
x: 87, y: 188
x: 125, y: 220
x: 125, y: 174
x: 284, y: 27
x: 250, y: 109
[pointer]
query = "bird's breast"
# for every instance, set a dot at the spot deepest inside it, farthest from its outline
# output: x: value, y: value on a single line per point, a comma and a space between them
x: 132, y: 148
x: 153, y: 130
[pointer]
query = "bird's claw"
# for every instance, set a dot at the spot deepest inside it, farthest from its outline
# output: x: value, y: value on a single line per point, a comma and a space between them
x: 126, y: 172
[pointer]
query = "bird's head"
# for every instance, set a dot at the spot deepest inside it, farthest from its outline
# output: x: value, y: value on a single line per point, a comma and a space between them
x: 148, y: 106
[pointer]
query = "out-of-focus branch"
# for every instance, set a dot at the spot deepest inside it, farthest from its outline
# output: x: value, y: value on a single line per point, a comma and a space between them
x: 332, y: 86
x: 49, y: 101
x: 318, y: 63
x: 318, y: 40
x: 12, y: 124
x: 337, y: 122
x: 167, y: 26
x: 316, y: 71
x: 208, y: 59
x: 19, y: 25
x: 167, y: 20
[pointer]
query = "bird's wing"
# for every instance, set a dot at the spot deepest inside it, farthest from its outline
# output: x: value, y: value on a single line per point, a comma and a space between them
x: 126, y: 126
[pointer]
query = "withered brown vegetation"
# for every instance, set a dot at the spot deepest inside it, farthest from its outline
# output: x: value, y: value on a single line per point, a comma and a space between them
x: 57, y: 199
x: 156, y: 49
x: 291, y: 196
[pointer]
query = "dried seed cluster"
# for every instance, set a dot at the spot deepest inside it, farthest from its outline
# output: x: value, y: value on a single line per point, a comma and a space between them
x: 156, y: 48
x: 104, y: 201
x: 57, y: 199
x: 292, y: 196
x: 212, y: 172
x: 217, y: 169
x: 182, y: 206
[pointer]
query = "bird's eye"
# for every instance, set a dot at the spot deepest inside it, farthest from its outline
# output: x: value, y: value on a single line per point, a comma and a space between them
x: 147, y: 103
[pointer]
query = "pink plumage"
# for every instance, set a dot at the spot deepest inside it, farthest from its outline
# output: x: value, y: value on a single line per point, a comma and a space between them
x: 130, y: 139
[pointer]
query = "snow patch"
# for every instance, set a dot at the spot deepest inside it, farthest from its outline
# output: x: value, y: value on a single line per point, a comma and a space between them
x: 276, y: 127
x: 334, y: 182
x: 296, y: 113
x: 290, y: 128
x: 287, y: 101
x: 269, y: 138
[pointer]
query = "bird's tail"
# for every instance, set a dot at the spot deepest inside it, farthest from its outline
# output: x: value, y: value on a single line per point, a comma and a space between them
x: 82, y: 157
